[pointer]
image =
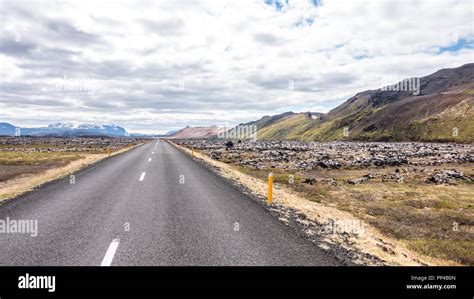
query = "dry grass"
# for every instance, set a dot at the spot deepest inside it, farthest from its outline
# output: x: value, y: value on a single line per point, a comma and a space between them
x: 426, y: 217
x: 14, y: 164
x: 21, y: 172
x: 376, y: 205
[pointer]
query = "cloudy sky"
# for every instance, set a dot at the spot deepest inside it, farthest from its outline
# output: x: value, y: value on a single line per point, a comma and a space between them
x: 154, y: 66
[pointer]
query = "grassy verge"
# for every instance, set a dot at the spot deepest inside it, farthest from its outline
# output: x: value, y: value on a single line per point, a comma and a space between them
x: 434, y: 220
x: 15, y: 164
x: 22, y: 171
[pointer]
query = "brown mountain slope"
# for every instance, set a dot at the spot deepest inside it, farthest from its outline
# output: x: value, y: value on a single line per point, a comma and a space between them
x: 444, y: 104
x: 439, y: 82
x: 197, y: 132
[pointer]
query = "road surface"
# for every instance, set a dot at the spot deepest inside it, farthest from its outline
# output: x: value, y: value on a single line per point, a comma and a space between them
x: 153, y: 205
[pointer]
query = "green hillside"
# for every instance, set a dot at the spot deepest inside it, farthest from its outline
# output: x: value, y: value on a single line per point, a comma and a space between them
x: 444, y: 105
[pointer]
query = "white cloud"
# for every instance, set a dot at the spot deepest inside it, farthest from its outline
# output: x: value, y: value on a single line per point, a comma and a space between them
x: 160, y: 65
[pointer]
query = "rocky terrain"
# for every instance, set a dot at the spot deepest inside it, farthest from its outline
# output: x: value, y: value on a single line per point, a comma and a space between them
x: 417, y: 193
x: 76, y: 144
x: 298, y: 155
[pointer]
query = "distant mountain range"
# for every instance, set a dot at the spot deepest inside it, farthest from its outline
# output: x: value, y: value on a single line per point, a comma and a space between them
x: 69, y: 129
x: 7, y: 129
x: 64, y: 130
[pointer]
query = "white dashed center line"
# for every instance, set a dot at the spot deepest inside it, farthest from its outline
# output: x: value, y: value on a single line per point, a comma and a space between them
x: 109, y: 255
x: 142, y: 176
x: 149, y: 159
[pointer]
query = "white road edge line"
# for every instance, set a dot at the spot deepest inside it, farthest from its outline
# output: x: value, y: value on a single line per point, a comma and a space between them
x: 142, y: 176
x: 149, y: 159
x: 152, y: 153
x: 109, y: 255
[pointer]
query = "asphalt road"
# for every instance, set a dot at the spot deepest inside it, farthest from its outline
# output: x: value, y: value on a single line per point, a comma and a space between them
x: 153, y: 205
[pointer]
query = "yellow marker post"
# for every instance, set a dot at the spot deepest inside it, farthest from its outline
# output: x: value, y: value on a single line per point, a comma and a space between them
x: 270, y: 188
x: 108, y: 151
x: 193, y: 152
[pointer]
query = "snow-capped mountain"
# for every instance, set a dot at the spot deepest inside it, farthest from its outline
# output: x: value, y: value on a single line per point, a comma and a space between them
x: 68, y: 129
x: 90, y: 129
x: 66, y: 125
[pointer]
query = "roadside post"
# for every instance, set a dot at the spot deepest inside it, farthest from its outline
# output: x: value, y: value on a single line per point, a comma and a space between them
x: 193, y: 152
x: 270, y: 188
x: 108, y: 151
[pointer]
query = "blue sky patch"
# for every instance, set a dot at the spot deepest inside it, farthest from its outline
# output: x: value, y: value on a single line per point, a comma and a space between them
x: 462, y: 43
x: 278, y: 4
